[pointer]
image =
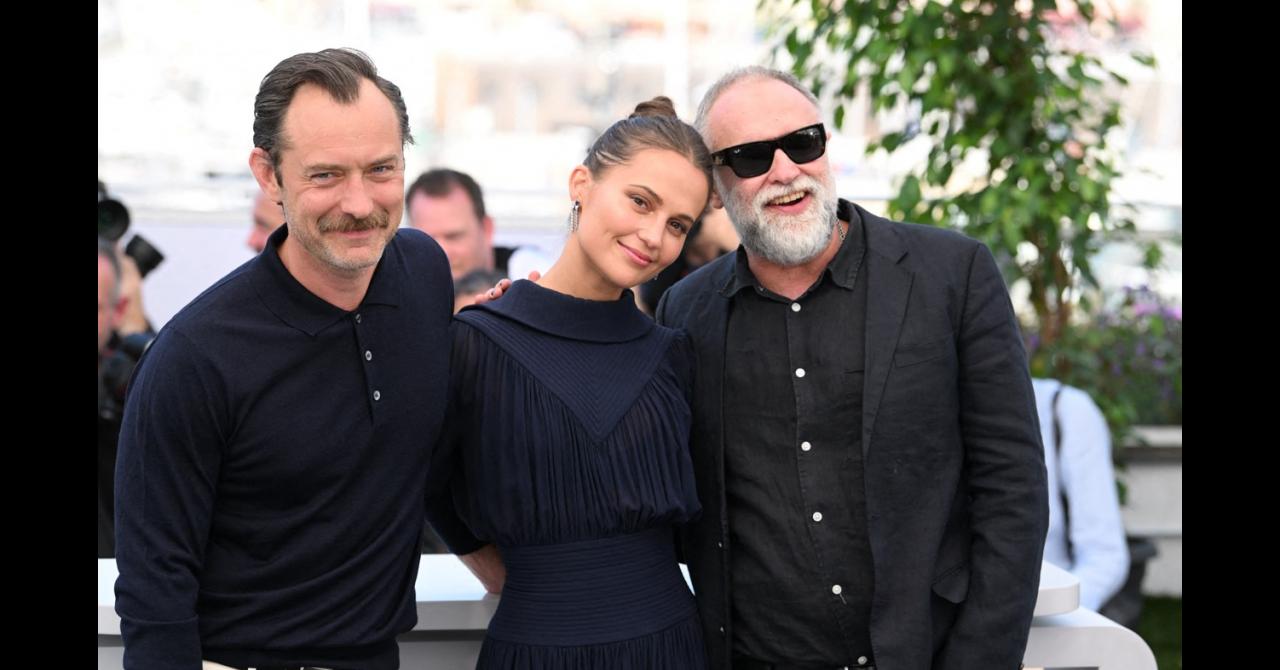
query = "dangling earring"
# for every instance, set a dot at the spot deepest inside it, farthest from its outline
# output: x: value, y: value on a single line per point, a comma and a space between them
x: 573, y: 216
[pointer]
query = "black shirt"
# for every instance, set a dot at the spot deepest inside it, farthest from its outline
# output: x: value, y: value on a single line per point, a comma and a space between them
x: 800, y: 561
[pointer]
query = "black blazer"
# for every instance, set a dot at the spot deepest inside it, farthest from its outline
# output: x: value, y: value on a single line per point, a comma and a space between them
x: 955, y: 479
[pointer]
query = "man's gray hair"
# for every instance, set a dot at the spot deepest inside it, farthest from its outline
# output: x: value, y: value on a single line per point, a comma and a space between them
x: 750, y: 72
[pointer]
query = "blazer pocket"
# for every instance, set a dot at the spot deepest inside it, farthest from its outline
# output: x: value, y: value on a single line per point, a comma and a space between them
x: 953, y: 585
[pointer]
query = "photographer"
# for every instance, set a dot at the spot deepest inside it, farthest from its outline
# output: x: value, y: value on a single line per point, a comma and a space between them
x: 111, y: 309
x: 137, y: 261
x: 123, y: 334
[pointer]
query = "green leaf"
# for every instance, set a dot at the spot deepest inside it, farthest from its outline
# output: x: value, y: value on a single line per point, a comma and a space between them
x: 1089, y: 190
x: 946, y: 64
x: 1146, y: 59
x: 909, y: 194
x: 989, y: 201
x: 1152, y: 256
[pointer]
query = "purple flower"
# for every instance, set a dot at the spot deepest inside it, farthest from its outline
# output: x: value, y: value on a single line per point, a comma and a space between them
x: 1145, y: 309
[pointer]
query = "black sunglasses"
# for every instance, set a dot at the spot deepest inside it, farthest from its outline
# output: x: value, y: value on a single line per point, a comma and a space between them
x: 755, y: 158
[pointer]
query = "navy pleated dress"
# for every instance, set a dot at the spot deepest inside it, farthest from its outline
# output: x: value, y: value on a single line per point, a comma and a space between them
x: 569, y: 433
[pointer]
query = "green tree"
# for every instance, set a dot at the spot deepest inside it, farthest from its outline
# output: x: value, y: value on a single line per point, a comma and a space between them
x: 984, y: 80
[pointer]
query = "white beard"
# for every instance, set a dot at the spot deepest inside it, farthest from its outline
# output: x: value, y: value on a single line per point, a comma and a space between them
x: 786, y: 240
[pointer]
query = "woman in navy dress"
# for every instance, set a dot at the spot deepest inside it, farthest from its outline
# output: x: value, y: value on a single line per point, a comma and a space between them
x: 570, y: 419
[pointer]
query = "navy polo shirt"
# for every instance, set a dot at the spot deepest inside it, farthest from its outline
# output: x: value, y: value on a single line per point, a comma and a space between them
x: 273, y: 466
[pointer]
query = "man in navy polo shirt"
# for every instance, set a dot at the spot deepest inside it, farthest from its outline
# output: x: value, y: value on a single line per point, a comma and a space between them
x: 277, y: 436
